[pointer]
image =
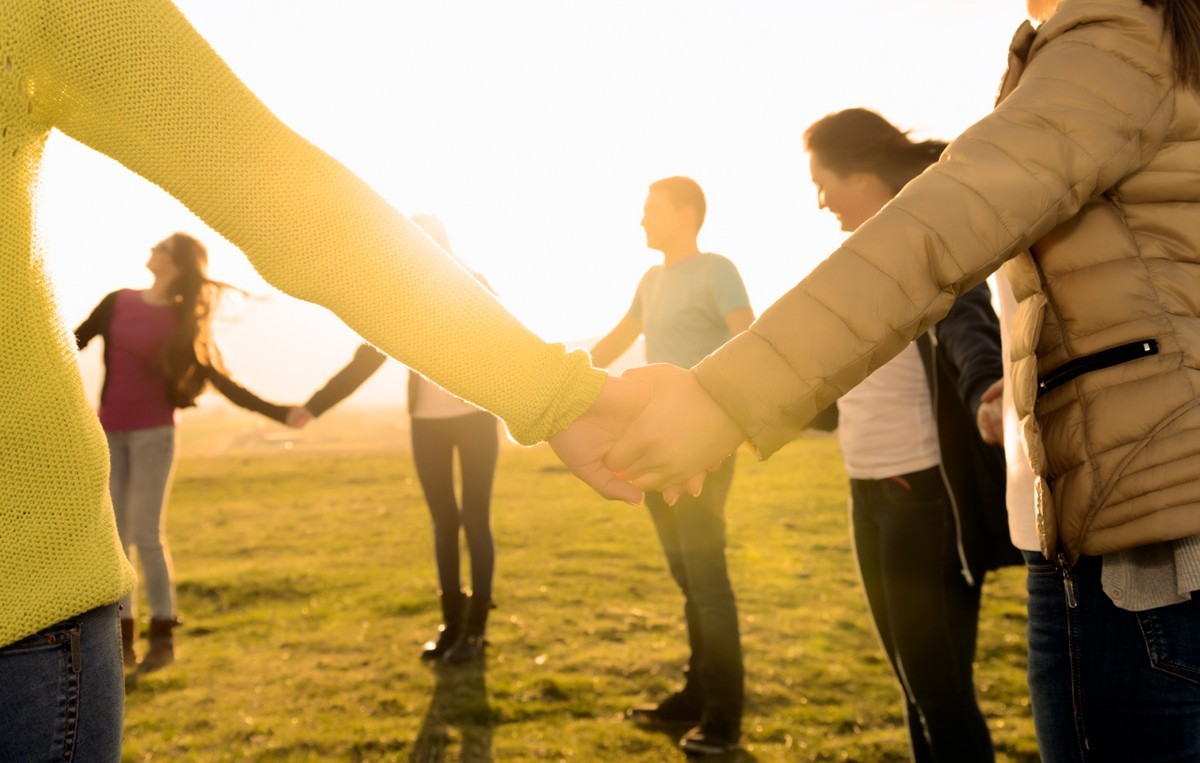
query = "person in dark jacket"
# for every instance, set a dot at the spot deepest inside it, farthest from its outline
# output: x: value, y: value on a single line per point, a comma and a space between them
x: 159, y: 356
x: 927, y: 494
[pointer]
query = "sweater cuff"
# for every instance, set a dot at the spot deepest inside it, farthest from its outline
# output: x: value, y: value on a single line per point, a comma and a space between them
x: 759, y: 390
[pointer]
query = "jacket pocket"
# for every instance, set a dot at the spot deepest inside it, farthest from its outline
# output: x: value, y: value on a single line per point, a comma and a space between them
x: 1113, y: 356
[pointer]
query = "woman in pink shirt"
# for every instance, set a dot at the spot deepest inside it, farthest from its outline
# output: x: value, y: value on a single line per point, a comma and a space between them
x: 159, y: 356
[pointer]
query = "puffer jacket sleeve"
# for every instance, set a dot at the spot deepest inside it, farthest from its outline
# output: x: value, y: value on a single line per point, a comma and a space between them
x: 1093, y: 105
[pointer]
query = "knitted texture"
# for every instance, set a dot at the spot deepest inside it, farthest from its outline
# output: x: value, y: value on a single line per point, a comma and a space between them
x: 133, y: 80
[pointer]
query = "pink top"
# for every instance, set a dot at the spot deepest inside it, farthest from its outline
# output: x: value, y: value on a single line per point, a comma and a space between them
x: 135, y: 392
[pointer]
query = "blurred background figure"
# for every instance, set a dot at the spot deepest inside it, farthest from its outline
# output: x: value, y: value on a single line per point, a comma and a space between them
x: 159, y: 356
x: 442, y: 424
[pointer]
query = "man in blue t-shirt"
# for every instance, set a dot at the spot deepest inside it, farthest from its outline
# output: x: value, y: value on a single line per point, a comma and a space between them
x: 687, y: 307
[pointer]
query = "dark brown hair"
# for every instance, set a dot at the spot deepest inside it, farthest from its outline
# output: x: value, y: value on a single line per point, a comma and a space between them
x: 858, y: 140
x: 190, y: 348
x: 684, y: 192
x: 1181, y: 18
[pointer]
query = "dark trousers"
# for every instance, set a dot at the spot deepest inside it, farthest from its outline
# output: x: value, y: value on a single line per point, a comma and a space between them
x: 1109, y: 685
x: 926, y: 614
x: 693, y: 538
x: 477, y: 441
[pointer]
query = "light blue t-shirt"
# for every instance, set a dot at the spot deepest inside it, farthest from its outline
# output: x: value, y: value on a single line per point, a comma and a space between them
x: 682, y: 308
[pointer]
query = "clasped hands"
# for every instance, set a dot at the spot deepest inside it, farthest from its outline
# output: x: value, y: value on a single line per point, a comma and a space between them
x: 653, y: 428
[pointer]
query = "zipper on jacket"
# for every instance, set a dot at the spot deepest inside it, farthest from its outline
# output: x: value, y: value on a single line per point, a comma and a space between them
x: 1113, y: 356
x: 958, y: 539
x: 1068, y: 584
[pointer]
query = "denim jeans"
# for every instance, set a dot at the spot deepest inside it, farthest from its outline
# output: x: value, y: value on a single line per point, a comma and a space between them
x: 477, y: 439
x: 692, y: 533
x: 926, y: 615
x: 61, y: 692
x: 139, y: 480
x: 1108, y: 685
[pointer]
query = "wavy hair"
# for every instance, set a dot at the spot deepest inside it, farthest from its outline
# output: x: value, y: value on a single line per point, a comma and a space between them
x: 859, y: 140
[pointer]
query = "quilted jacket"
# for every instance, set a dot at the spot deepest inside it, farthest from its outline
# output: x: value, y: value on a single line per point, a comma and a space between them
x: 1085, y: 179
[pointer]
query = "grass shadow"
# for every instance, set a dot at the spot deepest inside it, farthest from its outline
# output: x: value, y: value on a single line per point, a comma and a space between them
x: 459, y: 703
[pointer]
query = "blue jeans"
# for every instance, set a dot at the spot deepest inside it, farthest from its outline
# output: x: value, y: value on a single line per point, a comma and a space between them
x: 926, y: 615
x: 692, y: 533
x: 1108, y: 684
x: 63, y: 695
x: 139, y: 481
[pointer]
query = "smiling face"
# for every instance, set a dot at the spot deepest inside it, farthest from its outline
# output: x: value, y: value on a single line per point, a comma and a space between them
x: 852, y: 198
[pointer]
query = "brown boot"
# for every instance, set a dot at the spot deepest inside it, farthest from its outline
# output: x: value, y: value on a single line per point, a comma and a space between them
x: 128, y: 638
x: 162, y: 646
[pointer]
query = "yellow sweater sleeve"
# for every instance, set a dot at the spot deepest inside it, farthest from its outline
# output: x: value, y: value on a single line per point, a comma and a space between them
x: 134, y: 80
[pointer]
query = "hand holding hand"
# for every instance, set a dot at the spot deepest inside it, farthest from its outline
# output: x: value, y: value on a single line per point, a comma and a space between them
x: 583, y: 445
x: 680, y: 434
x: 990, y: 417
x: 298, y: 416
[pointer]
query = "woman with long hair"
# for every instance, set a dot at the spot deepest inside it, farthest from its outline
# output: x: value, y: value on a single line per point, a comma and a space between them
x: 926, y: 493
x: 159, y: 355
x: 1084, y: 183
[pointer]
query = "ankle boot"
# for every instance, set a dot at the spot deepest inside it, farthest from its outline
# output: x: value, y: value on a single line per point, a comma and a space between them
x: 453, y: 604
x: 162, y: 645
x: 128, y: 638
x: 470, y: 646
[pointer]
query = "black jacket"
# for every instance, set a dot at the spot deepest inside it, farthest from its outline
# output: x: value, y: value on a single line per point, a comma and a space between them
x: 961, y: 355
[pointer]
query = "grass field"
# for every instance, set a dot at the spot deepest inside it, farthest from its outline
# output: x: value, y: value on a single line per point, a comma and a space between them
x: 306, y: 581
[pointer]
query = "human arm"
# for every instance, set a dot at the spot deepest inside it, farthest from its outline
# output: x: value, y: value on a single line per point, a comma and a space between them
x: 244, y: 398
x: 739, y: 320
x: 366, y: 361
x: 1093, y: 106
x: 97, y: 322
x: 969, y: 336
x: 132, y: 79
x: 616, y: 342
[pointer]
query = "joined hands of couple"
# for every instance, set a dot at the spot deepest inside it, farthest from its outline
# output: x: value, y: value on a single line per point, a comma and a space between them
x: 652, y: 429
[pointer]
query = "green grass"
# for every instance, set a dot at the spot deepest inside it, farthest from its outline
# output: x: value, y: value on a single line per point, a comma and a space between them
x: 306, y: 581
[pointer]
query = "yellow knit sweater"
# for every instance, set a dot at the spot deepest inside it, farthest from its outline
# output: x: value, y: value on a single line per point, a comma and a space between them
x: 132, y: 79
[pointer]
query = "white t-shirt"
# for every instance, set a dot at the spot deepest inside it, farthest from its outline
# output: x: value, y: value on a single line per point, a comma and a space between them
x: 886, y: 425
x: 433, y: 402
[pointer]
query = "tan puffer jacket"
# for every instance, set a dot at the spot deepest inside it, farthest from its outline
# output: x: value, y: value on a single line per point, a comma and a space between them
x: 1092, y: 161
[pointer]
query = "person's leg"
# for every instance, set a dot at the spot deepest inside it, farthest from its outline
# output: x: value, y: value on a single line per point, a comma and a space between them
x: 932, y: 617
x: 63, y: 691
x: 866, y: 539
x: 118, y: 490
x: 666, y: 526
x: 478, y: 446
x: 701, y: 532
x: 151, y: 458
x: 433, y: 458
x: 1107, y: 684
x: 478, y: 450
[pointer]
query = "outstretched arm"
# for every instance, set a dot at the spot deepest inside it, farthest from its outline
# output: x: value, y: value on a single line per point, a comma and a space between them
x: 617, y: 341
x: 367, y: 360
x: 133, y: 79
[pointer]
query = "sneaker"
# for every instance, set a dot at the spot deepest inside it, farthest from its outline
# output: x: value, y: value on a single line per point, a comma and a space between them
x: 675, y: 710
x: 708, y: 739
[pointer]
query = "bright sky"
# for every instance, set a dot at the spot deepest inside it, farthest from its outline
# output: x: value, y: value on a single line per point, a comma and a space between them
x: 532, y: 128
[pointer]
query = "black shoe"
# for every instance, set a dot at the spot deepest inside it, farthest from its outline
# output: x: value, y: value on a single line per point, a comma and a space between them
x: 708, y: 739
x: 675, y: 710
